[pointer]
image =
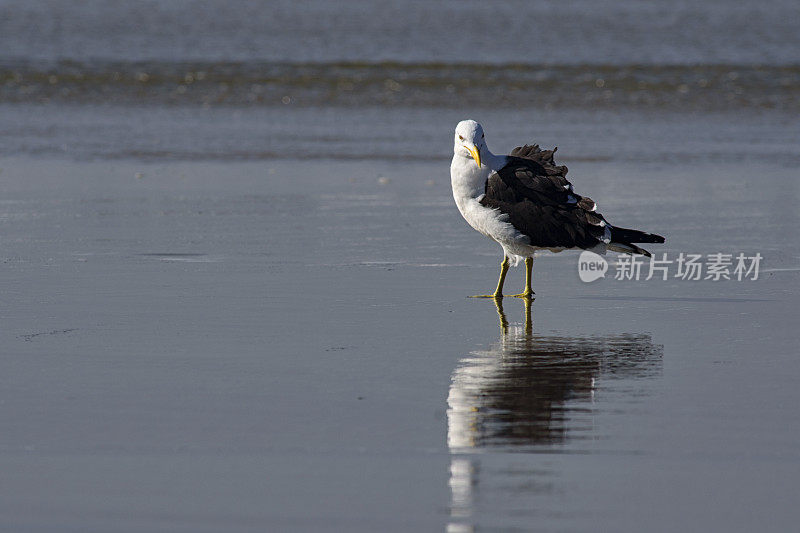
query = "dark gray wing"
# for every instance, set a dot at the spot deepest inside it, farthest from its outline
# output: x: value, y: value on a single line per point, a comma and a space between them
x: 539, y: 201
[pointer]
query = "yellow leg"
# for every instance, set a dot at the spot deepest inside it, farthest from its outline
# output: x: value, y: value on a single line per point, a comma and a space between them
x: 498, y: 293
x: 528, y: 292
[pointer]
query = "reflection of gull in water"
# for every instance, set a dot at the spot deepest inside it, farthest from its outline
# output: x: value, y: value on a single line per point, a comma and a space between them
x: 529, y: 389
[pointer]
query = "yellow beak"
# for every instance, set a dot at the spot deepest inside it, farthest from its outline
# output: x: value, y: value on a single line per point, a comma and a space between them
x: 476, y: 155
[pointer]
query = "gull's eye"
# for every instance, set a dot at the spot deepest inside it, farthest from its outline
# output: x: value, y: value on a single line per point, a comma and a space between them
x: 460, y: 137
x: 482, y: 135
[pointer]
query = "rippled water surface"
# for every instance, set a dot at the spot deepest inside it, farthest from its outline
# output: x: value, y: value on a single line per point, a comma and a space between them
x: 576, y: 32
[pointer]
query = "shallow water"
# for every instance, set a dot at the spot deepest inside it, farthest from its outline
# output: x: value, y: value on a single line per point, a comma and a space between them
x: 698, y: 56
x: 206, y: 347
x: 576, y: 32
x: 225, y: 312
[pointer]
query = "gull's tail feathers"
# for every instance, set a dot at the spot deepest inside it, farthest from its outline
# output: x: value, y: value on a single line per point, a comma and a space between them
x: 625, y: 235
x: 627, y: 248
x: 622, y: 240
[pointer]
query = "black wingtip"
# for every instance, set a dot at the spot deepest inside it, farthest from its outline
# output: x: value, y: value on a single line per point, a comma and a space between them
x: 634, y: 235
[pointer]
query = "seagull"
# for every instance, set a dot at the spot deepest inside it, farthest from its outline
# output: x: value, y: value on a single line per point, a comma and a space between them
x: 524, y: 202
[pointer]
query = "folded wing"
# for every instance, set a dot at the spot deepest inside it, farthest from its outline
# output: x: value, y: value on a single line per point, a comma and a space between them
x: 540, y: 202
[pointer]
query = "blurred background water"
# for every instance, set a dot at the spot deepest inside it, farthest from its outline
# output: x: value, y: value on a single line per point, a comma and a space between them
x: 288, y: 75
x: 548, y: 32
x: 235, y: 277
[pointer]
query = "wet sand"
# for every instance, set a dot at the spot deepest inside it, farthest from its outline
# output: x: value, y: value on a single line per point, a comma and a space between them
x: 234, y: 290
x: 287, y: 344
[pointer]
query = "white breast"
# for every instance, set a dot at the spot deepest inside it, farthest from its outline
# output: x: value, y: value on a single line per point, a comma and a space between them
x: 469, y: 183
